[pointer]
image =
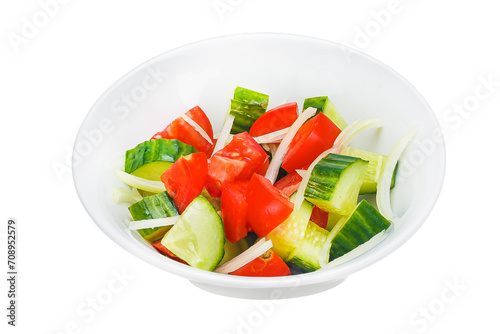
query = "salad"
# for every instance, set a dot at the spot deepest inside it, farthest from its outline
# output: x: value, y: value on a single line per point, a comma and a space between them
x: 276, y: 192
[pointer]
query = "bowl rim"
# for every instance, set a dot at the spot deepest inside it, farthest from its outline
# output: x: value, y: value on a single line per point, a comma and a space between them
x: 317, y: 277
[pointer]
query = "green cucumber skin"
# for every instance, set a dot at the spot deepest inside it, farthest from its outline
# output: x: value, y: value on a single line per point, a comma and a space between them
x: 324, y: 104
x: 246, y: 107
x: 363, y: 224
x: 326, y: 175
x: 167, y: 150
x: 153, y: 207
x: 306, y: 255
x: 375, y: 164
x: 244, y: 116
x: 251, y: 97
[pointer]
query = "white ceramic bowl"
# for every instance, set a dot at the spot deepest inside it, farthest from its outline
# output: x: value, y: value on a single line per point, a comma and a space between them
x: 288, y: 67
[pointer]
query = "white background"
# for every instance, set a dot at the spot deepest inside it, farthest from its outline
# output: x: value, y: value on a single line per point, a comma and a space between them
x: 52, y: 77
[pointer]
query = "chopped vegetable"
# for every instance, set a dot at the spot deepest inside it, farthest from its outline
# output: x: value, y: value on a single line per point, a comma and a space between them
x: 267, y: 265
x: 315, y: 136
x: 238, y: 161
x: 384, y: 182
x: 140, y: 183
x: 246, y: 107
x: 283, y: 148
x: 153, y: 207
x: 276, y: 119
x: 324, y: 105
x: 185, y: 179
x: 267, y: 206
x: 234, y: 210
x: 246, y: 257
x: 181, y: 130
x: 198, y: 236
x: 123, y: 195
x: 335, y: 182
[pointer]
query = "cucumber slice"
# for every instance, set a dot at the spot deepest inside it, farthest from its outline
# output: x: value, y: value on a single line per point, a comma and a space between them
x: 231, y: 250
x: 363, y: 224
x: 324, y: 105
x: 150, y: 159
x: 152, y: 207
x: 198, y: 236
x: 335, y: 182
x: 375, y: 164
x: 306, y: 257
x: 246, y: 107
x: 289, y: 234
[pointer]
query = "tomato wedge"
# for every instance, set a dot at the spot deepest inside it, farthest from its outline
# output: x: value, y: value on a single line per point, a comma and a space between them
x: 319, y: 217
x: 289, y: 184
x: 162, y: 249
x: 234, y: 210
x: 179, y: 129
x: 275, y: 119
x: 268, y: 264
x: 315, y: 136
x: 267, y: 206
x: 238, y: 161
x: 184, y: 180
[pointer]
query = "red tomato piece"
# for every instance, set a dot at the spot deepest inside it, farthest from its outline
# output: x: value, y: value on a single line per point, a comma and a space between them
x: 275, y: 119
x: 184, y: 180
x: 162, y: 249
x: 289, y: 184
x: 234, y: 210
x: 238, y: 161
x: 179, y: 129
x: 268, y: 264
x: 314, y: 136
x: 267, y: 206
x: 319, y: 217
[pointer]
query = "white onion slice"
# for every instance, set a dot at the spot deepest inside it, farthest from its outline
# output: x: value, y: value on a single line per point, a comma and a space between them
x: 140, y: 183
x: 198, y: 128
x: 342, y: 141
x: 383, y: 196
x: 363, y: 248
x: 301, y: 172
x: 274, y: 167
x: 224, y: 134
x: 125, y: 195
x: 152, y: 223
x: 272, y: 136
x: 246, y: 257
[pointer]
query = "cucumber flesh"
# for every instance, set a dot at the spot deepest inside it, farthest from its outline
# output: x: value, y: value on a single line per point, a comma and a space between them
x: 354, y: 230
x: 198, y: 236
x: 335, y: 182
x: 325, y: 105
x: 231, y: 250
x: 246, y: 107
x: 376, y: 163
x: 289, y: 234
x: 150, y: 159
x: 152, y: 207
x: 306, y: 257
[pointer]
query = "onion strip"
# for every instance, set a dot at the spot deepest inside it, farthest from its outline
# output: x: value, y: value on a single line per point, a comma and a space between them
x: 271, y: 137
x: 274, y: 167
x: 140, y: 183
x: 125, y: 195
x: 383, y: 196
x: 198, y: 128
x: 224, y: 134
x: 246, y: 257
x: 152, y: 223
x: 342, y: 141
